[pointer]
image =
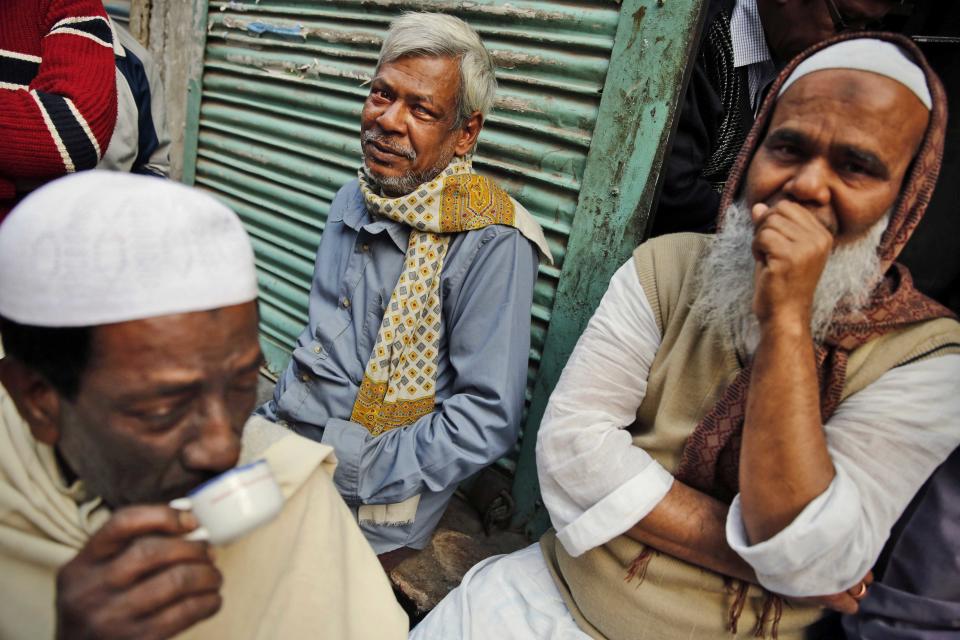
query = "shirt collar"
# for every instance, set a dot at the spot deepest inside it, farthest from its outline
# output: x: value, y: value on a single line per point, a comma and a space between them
x: 746, y: 35
x: 357, y: 217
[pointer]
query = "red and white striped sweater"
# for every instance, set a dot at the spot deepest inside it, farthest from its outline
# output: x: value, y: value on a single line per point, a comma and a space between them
x: 58, y: 95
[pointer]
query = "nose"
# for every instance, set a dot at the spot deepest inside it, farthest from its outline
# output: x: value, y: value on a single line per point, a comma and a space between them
x: 809, y: 185
x: 217, y: 445
x: 391, y: 119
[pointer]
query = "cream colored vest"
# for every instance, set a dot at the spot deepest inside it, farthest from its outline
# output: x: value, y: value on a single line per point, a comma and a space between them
x: 690, y: 371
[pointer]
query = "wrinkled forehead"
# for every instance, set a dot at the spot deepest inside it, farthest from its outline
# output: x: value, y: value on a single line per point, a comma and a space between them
x: 180, y: 341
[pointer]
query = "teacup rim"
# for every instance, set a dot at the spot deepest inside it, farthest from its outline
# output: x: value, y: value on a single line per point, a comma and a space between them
x: 222, y: 476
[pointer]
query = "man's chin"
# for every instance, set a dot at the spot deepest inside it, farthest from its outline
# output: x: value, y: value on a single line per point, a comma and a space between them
x: 393, y: 184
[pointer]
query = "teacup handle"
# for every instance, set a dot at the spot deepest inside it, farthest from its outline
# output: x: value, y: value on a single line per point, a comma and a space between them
x: 200, y: 533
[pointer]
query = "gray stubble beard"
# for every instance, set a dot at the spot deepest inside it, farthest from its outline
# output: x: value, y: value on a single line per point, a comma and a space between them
x: 407, y: 183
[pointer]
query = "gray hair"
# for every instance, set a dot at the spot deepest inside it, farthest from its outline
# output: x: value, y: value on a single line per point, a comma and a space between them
x: 437, y: 34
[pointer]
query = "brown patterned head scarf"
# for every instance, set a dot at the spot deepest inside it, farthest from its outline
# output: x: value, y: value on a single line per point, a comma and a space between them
x: 711, y: 454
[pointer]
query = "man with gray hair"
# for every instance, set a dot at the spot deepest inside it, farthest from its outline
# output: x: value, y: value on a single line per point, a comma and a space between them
x: 413, y: 363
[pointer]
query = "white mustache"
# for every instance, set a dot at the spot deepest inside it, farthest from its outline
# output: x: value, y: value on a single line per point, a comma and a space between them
x: 382, y: 140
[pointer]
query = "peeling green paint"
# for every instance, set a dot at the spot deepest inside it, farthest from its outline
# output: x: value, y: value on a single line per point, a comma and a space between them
x: 643, y: 88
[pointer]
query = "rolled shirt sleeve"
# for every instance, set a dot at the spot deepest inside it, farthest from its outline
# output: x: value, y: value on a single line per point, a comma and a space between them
x: 884, y: 442
x: 595, y: 483
x: 488, y: 324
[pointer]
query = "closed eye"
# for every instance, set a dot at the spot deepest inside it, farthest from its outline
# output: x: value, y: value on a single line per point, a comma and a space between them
x: 161, y: 417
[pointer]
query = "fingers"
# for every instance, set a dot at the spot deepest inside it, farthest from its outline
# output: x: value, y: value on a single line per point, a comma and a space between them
x: 845, y: 604
x: 111, y: 622
x: 758, y: 212
x: 794, y: 223
x: 841, y: 602
x: 859, y: 591
x: 150, y: 554
x: 132, y: 522
x: 165, y: 589
x: 791, y: 247
x: 179, y: 616
x: 138, y: 577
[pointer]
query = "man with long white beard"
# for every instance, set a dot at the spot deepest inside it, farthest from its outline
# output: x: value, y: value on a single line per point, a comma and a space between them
x: 745, y: 417
x: 413, y: 365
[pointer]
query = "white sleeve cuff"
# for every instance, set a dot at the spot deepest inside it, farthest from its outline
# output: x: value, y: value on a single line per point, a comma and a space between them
x: 809, y: 557
x: 617, y: 512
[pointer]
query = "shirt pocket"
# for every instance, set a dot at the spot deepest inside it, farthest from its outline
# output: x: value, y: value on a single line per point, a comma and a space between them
x: 372, y: 318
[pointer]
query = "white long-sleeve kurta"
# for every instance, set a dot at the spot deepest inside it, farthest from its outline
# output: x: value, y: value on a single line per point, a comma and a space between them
x: 884, y: 442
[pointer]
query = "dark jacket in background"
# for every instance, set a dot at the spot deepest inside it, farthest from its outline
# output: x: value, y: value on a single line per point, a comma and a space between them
x: 917, y: 592
x: 715, y: 118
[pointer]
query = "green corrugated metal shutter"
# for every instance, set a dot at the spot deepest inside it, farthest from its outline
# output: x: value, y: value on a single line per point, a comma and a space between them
x: 282, y: 90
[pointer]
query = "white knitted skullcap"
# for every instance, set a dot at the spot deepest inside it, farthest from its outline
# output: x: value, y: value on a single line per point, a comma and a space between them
x: 100, y: 247
x: 867, y: 54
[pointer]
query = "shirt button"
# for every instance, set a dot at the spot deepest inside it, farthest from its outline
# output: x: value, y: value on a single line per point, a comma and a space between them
x: 317, y: 349
x: 304, y: 377
x: 364, y: 247
x: 345, y: 302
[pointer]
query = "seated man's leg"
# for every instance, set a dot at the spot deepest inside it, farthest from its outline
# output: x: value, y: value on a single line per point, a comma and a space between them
x: 504, y: 597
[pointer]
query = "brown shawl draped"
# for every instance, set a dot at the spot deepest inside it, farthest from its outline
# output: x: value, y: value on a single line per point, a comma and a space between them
x: 711, y: 456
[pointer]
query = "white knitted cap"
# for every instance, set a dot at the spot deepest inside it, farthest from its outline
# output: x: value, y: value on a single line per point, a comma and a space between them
x: 101, y: 247
x: 866, y: 54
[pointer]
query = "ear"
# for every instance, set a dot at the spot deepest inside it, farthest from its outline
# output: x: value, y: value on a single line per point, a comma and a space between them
x: 467, y: 138
x: 35, y: 399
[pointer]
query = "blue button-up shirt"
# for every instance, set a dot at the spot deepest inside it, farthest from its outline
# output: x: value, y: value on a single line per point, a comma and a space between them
x: 486, y: 289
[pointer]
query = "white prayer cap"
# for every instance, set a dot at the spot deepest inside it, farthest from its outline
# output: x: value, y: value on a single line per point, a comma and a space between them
x: 100, y: 247
x: 866, y: 54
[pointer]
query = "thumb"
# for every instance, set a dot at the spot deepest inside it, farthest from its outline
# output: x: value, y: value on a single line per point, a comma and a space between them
x: 757, y: 212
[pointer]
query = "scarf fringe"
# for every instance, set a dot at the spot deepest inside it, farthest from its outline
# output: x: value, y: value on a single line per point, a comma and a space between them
x: 772, y: 602
x: 638, y: 568
x: 736, y: 607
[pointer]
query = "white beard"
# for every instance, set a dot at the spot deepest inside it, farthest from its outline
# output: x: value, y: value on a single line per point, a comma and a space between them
x: 726, y: 275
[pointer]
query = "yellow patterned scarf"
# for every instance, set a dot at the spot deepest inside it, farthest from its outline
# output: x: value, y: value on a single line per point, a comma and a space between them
x: 399, y: 383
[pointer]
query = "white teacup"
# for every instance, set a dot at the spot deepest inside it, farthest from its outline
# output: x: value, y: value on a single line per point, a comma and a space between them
x: 234, y: 503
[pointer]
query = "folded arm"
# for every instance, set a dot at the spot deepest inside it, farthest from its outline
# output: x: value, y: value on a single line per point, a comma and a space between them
x: 884, y: 442
x: 817, y: 501
x: 595, y: 483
